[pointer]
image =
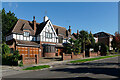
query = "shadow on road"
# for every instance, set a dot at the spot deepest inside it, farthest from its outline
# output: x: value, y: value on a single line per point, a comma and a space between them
x: 95, y: 64
x: 76, y: 78
x: 90, y: 68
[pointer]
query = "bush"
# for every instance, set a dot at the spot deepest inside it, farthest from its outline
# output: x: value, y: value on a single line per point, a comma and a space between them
x: 103, y: 48
x: 20, y: 64
x: 5, y: 49
x: 10, y: 59
x: 114, y: 52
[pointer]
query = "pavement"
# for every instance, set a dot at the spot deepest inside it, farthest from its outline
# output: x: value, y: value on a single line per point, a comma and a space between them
x: 105, y: 69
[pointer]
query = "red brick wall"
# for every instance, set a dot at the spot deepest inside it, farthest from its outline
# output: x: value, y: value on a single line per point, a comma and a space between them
x: 49, y: 54
x: 30, y: 60
x: 72, y: 56
x: 77, y: 56
x: 94, y: 54
x: 66, y: 56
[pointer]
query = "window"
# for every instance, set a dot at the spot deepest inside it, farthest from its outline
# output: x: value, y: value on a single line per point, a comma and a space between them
x: 34, y: 38
x: 48, y: 35
x: 26, y: 34
x: 49, y: 49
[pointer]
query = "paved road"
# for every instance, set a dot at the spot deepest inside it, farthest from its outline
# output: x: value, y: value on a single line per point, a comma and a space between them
x: 107, y: 69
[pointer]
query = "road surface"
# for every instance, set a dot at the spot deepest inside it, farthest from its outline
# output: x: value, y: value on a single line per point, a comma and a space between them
x: 107, y: 69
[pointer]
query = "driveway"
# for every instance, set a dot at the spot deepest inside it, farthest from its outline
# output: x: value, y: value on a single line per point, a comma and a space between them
x: 107, y: 69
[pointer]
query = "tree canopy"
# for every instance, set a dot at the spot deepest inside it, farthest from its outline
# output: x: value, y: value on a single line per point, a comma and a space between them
x: 85, y: 41
x: 8, y: 21
x: 116, y: 41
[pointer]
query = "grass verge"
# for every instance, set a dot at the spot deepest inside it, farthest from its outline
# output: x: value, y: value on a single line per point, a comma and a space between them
x: 92, y: 59
x: 37, y: 67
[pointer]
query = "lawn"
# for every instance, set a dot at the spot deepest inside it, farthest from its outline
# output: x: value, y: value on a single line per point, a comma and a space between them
x: 37, y: 67
x: 92, y: 59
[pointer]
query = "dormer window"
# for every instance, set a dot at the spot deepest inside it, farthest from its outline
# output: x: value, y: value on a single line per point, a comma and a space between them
x: 26, y: 34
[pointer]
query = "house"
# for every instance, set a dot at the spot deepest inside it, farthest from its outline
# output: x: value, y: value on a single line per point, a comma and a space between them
x: 105, y: 38
x: 76, y: 34
x: 44, y: 39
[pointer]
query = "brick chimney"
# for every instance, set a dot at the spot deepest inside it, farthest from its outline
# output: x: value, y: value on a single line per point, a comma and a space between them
x: 77, y: 32
x: 69, y: 29
x: 34, y: 24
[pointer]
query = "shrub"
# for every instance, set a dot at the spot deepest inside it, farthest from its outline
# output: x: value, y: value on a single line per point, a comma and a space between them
x: 103, y: 48
x: 5, y: 49
x: 10, y: 59
x: 20, y: 64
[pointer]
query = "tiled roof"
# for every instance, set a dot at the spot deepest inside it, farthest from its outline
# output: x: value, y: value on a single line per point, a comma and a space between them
x: 28, y: 25
x: 23, y: 24
x: 100, y: 34
x: 62, y: 31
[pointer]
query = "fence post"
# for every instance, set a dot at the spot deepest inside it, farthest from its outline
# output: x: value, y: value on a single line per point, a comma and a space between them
x: 89, y: 53
x: 98, y: 53
x: 63, y: 56
x: 23, y: 59
x: 36, y: 59
x: 72, y: 55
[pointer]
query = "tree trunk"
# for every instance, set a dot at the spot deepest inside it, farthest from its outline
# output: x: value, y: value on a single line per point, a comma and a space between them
x: 83, y: 47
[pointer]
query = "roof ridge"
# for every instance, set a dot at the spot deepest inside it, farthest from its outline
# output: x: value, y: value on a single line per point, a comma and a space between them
x: 28, y: 21
x: 59, y: 26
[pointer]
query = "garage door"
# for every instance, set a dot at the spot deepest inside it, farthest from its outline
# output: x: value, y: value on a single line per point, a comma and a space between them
x: 33, y: 51
x: 28, y: 51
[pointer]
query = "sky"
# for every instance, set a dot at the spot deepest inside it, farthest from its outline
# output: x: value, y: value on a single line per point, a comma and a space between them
x: 88, y: 16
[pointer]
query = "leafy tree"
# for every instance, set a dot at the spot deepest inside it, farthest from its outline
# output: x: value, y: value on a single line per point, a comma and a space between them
x: 84, y: 38
x: 117, y: 40
x: 104, y: 49
x: 73, y: 46
x: 92, y: 40
x: 8, y: 21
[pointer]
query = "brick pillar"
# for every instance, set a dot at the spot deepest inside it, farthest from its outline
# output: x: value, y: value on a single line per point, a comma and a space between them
x: 63, y: 56
x: 36, y: 58
x: 98, y: 53
x: 89, y: 53
x: 23, y: 59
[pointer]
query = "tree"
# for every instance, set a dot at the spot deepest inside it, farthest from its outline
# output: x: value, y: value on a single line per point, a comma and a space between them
x: 5, y: 49
x: 73, y: 46
x: 8, y: 21
x: 117, y: 40
x: 84, y: 38
x: 92, y: 40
